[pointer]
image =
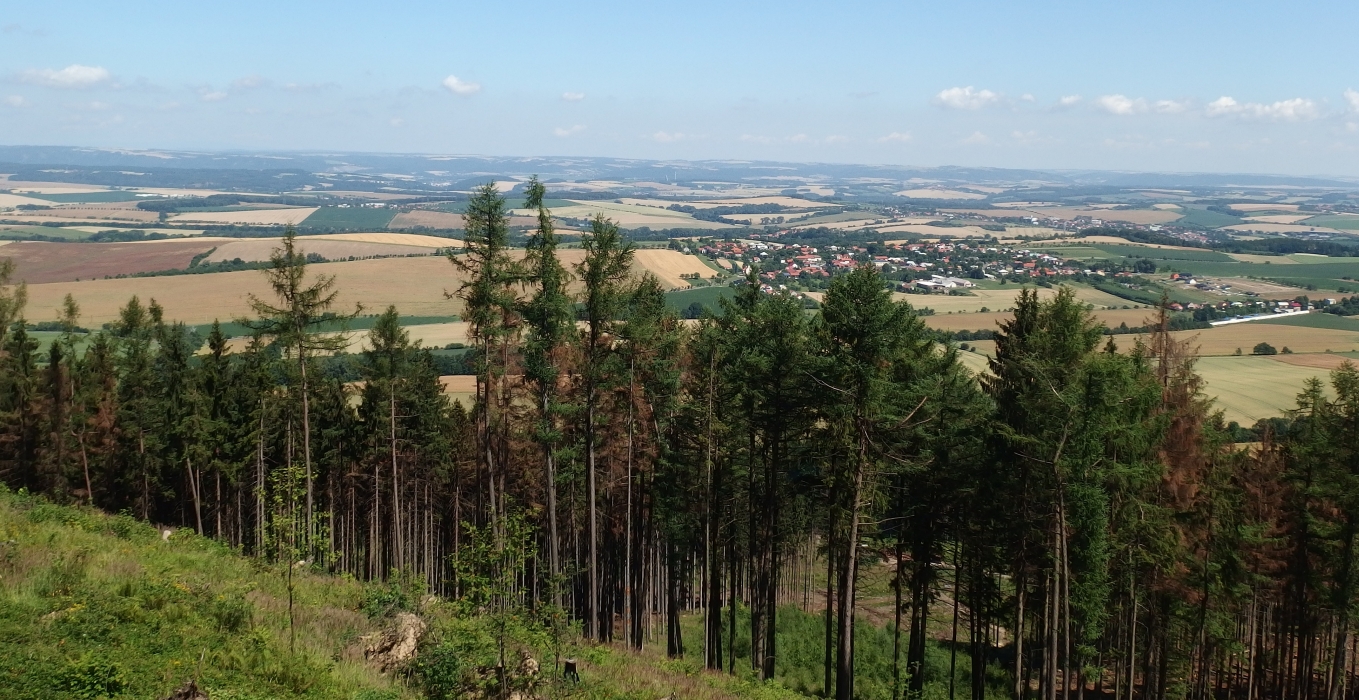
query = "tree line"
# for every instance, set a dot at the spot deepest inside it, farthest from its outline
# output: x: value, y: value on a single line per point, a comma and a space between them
x: 1076, y: 520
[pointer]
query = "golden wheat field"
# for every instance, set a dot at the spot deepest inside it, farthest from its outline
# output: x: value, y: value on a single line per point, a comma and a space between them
x: 1226, y: 340
x: 415, y: 286
x: 256, y: 217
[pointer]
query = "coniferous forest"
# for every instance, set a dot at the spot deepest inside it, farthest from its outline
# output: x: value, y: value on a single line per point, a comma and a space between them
x: 1076, y: 521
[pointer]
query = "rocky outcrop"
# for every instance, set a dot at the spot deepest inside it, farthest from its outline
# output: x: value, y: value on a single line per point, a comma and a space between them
x: 395, y: 646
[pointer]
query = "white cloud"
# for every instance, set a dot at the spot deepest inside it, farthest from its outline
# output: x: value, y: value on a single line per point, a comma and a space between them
x: 977, y: 138
x: 1171, y: 106
x: 1027, y: 97
x: 1069, y: 101
x: 212, y: 95
x: 1121, y: 104
x: 573, y: 96
x: 667, y: 137
x: 896, y: 137
x: 396, y: 121
x: 16, y: 101
x: 1295, y: 110
x: 458, y: 86
x: 72, y: 76
x: 799, y: 138
x: 966, y: 98
x: 748, y: 138
x: 248, y: 82
x: 565, y: 131
x: 1352, y: 97
x: 1024, y: 137
x: 836, y: 138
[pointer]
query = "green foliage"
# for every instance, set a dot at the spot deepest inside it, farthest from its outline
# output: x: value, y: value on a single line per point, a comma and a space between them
x: 91, y: 678
x: 401, y: 592
x: 351, y: 218
x: 1263, y: 348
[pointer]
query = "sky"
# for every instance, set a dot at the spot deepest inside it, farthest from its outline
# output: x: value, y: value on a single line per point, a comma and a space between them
x: 1199, y: 86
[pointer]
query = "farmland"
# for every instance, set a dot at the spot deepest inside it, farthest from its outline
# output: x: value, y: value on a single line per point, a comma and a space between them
x: 346, y: 218
x: 414, y: 285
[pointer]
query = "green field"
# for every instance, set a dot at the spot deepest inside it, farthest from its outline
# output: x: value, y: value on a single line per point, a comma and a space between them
x: 1339, y: 221
x: 349, y: 218
x: 707, y: 296
x: 1322, y: 275
x: 88, y: 197
x: 1317, y: 320
x: 22, y: 232
x: 1141, y: 251
x: 1202, y: 218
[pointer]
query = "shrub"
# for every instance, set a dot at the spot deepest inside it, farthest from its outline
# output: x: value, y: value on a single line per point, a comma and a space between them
x: 90, y: 678
x: 1263, y: 349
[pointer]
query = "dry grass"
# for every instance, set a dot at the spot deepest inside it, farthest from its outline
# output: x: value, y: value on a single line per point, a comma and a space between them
x: 261, y: 217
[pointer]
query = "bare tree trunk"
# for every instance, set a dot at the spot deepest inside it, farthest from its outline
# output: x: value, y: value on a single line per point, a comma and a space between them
x: 844, y: 680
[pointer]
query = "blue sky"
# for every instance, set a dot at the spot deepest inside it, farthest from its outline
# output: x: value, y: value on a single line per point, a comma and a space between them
x: 1178, y: 86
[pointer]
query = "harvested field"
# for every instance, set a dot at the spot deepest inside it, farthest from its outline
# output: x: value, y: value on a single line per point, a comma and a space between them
x: 1267, y: 290
x: 631, y: 216
x: 148, y: 229
x: 1264, y: 207
x: 668, y: 265
x: 258, y: 249
x: 460, y: 387
x: 414, y: 285
x: 14, y: 200
x: 42, y: 262
x: 1001, y: 299
x: 423, y: 218
x: 1326, y: 361
x: 96, y: 212
x: 263, y: 217
x: 1225, y: 340
x: 1132, y: 216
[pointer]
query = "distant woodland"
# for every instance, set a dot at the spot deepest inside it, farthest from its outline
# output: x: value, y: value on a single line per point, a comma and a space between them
x: 1075, y: 521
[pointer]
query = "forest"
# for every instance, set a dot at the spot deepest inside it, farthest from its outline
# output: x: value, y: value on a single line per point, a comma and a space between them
x: 1076, y: 521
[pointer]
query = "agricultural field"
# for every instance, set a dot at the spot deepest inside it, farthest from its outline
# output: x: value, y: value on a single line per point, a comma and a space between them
x: 42, y: 262
x: 415, y: 286
x: 366, y: 218
x: 256, y: 217
x: 1348, y: 222
x: 424, y: 218
x: 1003, y: 299
x: 258, y: 249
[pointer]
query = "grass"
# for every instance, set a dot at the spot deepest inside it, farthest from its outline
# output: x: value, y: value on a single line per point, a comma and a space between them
x: 93, y: 605
x: 364, y: 218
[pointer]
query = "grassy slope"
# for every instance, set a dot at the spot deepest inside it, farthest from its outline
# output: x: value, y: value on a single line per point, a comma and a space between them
x: 94, y: 601
x: 93, y: 605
